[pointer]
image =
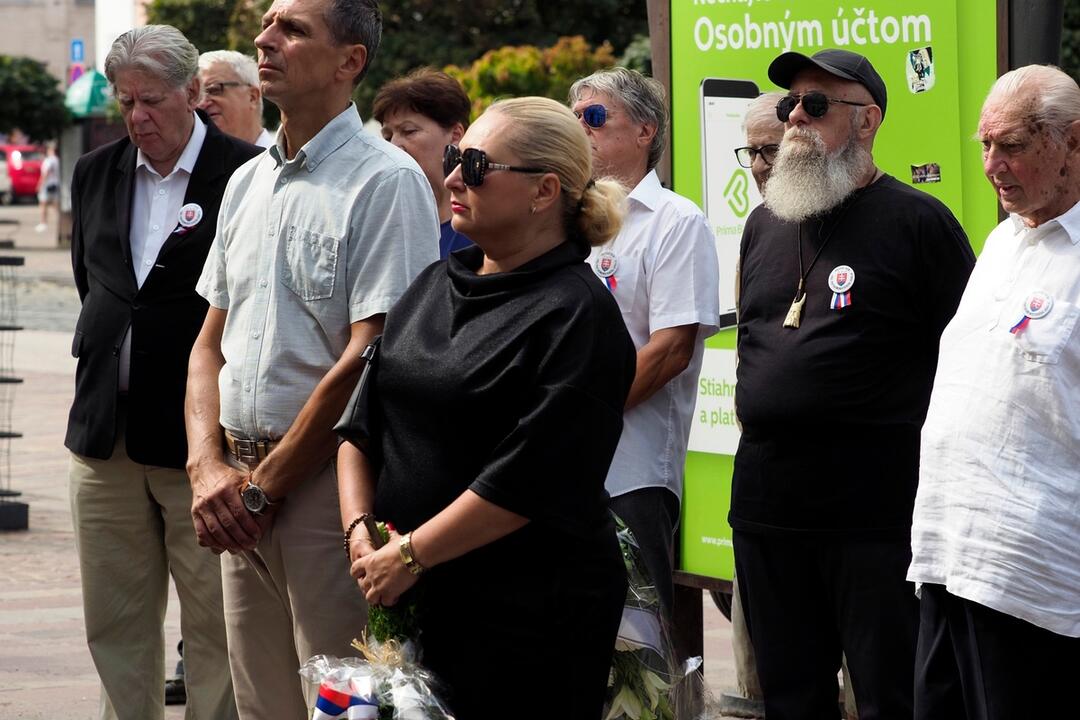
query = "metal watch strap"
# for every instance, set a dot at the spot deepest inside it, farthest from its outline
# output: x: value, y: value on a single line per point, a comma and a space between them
x: 406, y: 552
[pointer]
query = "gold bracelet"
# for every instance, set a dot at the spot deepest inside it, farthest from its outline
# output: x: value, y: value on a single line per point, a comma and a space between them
x: 406, y: 552
x: 349, y: 532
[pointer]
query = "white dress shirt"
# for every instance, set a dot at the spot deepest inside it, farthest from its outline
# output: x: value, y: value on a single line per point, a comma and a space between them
x: 997, y: 515
x: 666, y: 275
x: 265, y: 139
x: 155, y: 214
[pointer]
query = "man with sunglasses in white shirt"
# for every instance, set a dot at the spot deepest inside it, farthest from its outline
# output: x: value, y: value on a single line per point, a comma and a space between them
x: 662, y: 271
x: 848, y: 277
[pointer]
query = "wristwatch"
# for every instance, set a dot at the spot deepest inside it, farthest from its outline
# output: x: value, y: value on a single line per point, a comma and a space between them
x: 255, y: 500
x: 405, y: 551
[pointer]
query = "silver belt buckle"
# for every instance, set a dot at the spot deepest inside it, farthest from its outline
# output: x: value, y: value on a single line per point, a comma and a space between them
x: 247, y: 451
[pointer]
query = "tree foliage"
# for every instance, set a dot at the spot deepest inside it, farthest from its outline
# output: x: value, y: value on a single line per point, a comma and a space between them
x: 528, y: 70
x: 425, y: 32
x: 204, y: 22
x: 32, y: 101
x: 1070, y: 39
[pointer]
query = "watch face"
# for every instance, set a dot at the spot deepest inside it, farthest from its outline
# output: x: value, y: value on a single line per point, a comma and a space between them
x: 254, y: 498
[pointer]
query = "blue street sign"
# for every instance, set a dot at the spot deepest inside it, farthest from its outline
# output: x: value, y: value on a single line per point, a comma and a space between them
x: 78, y: 50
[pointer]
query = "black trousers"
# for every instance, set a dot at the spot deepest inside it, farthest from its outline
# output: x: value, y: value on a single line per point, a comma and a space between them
x: 808, y: 600
x: 652, y: 514
x: 974, y: 663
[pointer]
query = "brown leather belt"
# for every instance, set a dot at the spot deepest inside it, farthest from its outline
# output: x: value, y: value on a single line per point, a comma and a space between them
x: 249, y: 452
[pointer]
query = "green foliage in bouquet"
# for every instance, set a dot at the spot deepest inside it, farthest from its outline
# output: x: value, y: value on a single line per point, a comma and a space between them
x: 642, y: 695
x: 397, y: 622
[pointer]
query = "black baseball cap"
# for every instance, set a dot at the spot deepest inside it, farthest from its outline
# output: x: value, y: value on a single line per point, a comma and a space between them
x: 841, y: 63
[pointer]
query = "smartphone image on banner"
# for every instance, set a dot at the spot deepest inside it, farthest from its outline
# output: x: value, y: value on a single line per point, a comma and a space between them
x: 728, y: 190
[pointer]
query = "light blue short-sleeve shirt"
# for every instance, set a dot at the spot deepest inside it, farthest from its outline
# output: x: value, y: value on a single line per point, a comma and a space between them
x: 304, y: 248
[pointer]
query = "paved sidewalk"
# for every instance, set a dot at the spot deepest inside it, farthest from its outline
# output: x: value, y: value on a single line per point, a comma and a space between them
x: 45, y: 668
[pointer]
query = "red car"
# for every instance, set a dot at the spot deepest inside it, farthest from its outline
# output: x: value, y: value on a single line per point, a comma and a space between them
x: 22, y: 165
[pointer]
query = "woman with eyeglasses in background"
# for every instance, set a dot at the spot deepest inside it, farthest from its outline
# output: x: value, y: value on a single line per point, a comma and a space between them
x: 422, y: 113
x: 500, y: 385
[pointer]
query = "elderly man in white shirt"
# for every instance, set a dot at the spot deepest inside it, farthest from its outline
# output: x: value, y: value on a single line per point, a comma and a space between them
x: 232, y: 96
x: 662, y: 271
x: 996, y: 532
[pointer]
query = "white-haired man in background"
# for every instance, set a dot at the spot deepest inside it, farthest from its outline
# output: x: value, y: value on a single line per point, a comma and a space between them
x: 232, y: 96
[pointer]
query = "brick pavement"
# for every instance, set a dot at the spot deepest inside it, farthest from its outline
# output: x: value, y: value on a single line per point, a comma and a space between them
x: 45, y: 668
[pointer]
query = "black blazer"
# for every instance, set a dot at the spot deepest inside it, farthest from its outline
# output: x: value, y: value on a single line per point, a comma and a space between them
x: 165, y: 314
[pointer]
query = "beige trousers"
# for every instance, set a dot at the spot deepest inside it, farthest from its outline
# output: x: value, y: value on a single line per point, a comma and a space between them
x: 290, y: 599
x: 132, y: 528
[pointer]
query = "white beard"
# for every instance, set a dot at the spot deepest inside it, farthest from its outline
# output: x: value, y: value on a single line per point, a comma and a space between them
x: 807, y: 181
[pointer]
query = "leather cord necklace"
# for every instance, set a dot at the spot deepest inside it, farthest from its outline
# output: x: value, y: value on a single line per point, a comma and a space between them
x: 794, y: 313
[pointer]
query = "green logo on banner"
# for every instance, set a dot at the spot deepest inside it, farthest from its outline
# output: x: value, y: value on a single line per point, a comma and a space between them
x: 737, y: 193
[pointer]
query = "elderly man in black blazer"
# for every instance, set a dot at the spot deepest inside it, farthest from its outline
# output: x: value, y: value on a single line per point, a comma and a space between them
x: 144, y: 213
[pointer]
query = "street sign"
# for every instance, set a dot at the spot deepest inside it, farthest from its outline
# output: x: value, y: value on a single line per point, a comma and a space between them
x: 75, y: 71
x: 78, y: 50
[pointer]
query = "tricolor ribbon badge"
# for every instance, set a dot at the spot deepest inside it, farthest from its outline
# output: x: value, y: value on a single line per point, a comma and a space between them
x: 190, y: 216
x: 606, y: 264
x: 1036, y: 305
x: 841, y: 280
x: 335, y: 704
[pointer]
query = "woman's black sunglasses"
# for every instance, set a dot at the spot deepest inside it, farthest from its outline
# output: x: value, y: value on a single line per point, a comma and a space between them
x: 816, y: 104
x: 746, y: 155
x: 475, y: 165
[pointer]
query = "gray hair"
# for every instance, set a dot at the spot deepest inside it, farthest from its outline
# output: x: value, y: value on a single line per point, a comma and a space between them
x: 642, y: 97
x: 1054, y: 95
x: 761, y: 113
x: 356, y: 22
x: 160, y: 50
x: 243, y: 66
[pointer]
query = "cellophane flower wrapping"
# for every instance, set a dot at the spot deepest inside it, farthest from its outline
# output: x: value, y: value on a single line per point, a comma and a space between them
x: 645, y: 673
x: 387, y: 681
x: 385, y: 684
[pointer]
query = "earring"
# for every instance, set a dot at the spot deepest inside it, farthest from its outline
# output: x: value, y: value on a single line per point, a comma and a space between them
x: 532, y: 210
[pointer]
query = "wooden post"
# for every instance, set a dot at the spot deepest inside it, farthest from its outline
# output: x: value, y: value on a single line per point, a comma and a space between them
x: 660, y: 43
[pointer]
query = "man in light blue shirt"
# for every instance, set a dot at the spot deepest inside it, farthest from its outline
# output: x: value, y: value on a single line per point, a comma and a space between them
x: 317, y: 238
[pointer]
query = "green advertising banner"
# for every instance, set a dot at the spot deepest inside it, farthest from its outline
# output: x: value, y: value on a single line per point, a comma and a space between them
x: 938, y: 59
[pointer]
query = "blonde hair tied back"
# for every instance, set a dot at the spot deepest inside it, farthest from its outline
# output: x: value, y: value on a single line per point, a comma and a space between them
x: 545, y: 134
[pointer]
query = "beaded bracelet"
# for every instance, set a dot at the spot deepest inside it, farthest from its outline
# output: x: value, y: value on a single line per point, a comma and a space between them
x: 349, y: 532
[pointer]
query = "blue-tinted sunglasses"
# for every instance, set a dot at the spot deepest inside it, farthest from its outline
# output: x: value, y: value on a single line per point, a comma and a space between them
x: 594, y: 115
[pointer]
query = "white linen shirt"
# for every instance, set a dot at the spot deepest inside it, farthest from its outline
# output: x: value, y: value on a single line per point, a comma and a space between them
x: 997, y: 515
x: 304, y: 248
x: 666, y: 275
x: 155, y: 214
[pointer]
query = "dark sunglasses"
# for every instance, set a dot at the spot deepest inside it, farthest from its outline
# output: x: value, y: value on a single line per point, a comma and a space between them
x: 594, y: 115
x: 475, y: 165
x: 816, y: 104
x: 746, y: 155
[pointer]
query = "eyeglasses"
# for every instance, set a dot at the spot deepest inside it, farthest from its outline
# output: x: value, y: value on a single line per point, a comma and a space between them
x: 217, y: 89
x: 594, y: 115
x: 816, y: 104
x: 746, y: 155
x: 475, y: 165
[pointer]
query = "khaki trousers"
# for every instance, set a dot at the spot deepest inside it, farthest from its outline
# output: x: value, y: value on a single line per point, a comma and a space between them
x: 132, y: 528
x: 290, y: 599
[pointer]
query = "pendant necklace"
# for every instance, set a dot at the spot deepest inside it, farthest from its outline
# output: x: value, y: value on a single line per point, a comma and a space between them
x: 794, y: 313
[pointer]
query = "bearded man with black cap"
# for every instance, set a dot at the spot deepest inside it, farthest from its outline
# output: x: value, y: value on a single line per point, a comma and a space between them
x: 848, y: 278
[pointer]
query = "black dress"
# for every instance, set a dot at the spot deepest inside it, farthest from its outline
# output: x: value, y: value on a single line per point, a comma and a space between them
x: 511, y: 385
